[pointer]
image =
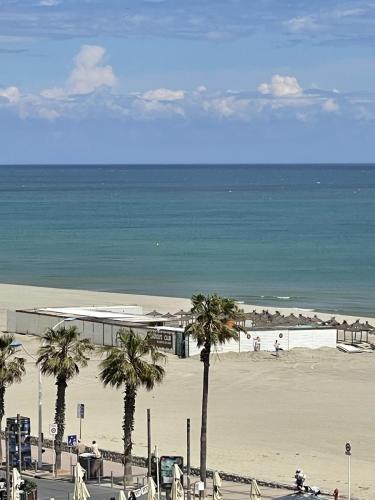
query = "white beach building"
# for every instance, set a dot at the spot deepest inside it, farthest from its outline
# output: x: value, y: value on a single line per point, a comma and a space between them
x: 101, y: 324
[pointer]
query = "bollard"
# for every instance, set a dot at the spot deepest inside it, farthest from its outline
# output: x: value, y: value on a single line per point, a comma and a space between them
x: 111, y: 479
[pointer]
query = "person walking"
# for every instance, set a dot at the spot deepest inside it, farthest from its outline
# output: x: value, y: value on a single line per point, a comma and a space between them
x: 257, y: 344
x: 277, y: 348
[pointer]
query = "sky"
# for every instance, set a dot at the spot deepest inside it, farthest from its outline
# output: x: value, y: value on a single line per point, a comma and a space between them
x: 187, y: 81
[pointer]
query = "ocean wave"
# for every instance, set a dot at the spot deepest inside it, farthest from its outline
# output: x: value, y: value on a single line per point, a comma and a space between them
x: 274, y: 297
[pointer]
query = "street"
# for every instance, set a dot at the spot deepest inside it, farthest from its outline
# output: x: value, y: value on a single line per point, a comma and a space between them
x: 63, y: 490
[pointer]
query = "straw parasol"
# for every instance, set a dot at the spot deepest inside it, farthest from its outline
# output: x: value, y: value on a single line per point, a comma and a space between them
x: 168, y: 315
x: 315, y: 319
x: 357, y: 326
x: 80, y: 488
x: 292, y: 320
x: 255, y: 493
x: 216, y: 495
x: 177, y: 489
x: 181, y: 312
x: 16, y: 484
x: 154, y: 313
x: 332, y: 322
x: 151, y: 495
x: 303, y: 320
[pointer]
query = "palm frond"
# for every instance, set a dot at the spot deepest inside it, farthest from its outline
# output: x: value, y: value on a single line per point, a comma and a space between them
x: 12, y: 368
x: 135, y: 361
x: 63, y: 353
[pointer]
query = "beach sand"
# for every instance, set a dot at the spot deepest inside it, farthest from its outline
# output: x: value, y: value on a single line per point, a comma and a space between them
x: 267, y: 416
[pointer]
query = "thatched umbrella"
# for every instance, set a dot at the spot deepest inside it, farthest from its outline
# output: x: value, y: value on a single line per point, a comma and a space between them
x: 357, y: 326
x: 265, y: 314
x: 181, y: 312
x: 154, y: 313
x: 252, y: 315
x: 168, y: 315
x: 345, y: 327
x: 303, y: 320
x: 332, y: 322
x: 292, y: 320
x: 315, y: 319
x: 368, y: 328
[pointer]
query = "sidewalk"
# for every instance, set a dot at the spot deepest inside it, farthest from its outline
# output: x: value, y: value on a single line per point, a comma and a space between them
x: 230, y: 490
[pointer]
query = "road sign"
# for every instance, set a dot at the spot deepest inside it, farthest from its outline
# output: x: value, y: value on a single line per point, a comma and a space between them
x: 348, y: 449
x: 72, y: 440
x: 53, y: 430
x: 80, y: 410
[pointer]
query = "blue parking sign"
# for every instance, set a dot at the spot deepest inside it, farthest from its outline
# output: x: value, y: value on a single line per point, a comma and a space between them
x: 72, y: 440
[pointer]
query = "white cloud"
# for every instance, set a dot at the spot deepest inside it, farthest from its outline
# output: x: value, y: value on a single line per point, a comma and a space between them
x: 155, y: 108
x: 54, y: 93
x: 330, y: 106
x: 89, y: 74
x: 227, y: 107
x: 281, y: 86
x: 49, y: 3
x: 301, y: 24
x: 12, y: 94
x: 163, y: 95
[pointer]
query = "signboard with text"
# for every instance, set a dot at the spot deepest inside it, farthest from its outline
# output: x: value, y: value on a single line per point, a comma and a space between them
x: 161, y: 338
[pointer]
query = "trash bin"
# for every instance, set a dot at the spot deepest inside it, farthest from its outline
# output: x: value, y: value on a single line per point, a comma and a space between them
x: 92, y: 465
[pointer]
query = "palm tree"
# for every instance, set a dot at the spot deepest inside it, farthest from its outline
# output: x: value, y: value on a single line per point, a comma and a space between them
x: 12, y: 369
x: 61, y: 355
x: 214, y: 325
x: 135, y: 362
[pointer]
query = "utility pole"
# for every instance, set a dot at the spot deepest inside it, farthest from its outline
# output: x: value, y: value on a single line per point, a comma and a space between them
x: 188, y: 459
x: 19, y: 443
x: 348, y: 452
x: 40, y: 420
x: 7, y: 471
x: 149, y: 442
x: 157, y: 472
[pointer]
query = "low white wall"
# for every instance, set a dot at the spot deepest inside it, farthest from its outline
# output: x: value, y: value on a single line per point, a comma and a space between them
x: 311, y: 338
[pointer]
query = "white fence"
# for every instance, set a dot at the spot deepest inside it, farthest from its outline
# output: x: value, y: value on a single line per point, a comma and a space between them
x: 312, y: 338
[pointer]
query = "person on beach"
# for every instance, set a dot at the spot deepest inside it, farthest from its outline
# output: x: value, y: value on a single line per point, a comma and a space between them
x: 95, y: 449
x: 257, y: 344
x: 81, y: 447
x: 277, y: 348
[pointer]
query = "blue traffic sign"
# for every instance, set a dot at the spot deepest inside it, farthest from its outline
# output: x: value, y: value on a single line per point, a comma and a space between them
x: 72, y: 440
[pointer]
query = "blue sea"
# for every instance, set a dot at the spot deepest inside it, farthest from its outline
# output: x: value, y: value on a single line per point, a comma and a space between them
x: 281, y: 235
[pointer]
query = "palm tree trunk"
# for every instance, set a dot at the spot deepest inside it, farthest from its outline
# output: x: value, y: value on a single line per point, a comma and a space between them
x: 128, y: 427
x: 60, y: 417
x: 205, y: 358
x: 2, y: 412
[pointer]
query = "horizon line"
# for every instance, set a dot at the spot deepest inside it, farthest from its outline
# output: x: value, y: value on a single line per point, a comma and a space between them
x: 174, y: 164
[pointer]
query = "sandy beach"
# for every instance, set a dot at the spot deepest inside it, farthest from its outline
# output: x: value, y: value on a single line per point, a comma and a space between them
x: 267, y: 416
